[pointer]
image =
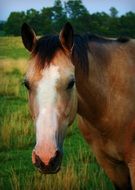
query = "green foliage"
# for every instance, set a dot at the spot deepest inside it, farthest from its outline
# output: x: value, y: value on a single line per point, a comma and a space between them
x: 59, y: 16
x: 127, y: 25
x: 2, y: 24
x: 100, y: 20
x: 113, y: 12
x: 78, y: 15
x: 46, y: 19
x: 14, y: 22
x: 75, y: 9
x: 32, y: 17
x: 51, y: 19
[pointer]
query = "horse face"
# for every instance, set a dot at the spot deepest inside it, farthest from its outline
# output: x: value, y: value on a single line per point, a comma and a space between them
x: 53, y: 105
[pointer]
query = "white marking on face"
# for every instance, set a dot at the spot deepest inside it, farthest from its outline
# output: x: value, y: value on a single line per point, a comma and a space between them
x: 46, y: 124
x: 47, y: 86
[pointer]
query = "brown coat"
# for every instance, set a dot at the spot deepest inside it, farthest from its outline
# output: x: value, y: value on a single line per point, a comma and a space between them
x: 107, y: 109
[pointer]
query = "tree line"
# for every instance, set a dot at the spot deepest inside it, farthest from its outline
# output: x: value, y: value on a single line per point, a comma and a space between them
x: 51, y: 19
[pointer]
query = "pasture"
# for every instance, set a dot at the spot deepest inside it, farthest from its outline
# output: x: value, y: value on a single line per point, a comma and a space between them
x: 79, y: 170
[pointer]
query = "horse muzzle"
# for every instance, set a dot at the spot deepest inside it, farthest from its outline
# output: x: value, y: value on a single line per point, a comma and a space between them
x: 53, y: 165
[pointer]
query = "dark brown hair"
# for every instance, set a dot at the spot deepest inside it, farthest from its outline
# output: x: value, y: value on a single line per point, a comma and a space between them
x: 46, y: 47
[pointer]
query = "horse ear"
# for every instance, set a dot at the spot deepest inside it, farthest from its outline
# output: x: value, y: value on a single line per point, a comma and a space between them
x: 28, y: 36
x: 66, y: 37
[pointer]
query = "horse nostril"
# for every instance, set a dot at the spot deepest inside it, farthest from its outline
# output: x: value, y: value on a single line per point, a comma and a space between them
x: 55, y: 160
x: 57, y: 154
x: 39, y: 163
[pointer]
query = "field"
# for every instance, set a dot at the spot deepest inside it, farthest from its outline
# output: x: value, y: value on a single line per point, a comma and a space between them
x: 79, y: 170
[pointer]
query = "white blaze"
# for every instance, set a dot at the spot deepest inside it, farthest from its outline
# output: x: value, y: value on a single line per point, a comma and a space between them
x: 46, y: 124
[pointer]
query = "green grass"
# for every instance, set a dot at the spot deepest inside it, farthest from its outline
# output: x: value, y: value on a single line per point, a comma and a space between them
x: 79, y: 170
x: 12, y: 47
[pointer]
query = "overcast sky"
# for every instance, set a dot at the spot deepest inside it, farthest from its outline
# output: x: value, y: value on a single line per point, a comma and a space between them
x: 7, y: 6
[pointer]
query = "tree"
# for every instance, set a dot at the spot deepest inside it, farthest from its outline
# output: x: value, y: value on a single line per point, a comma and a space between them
x: 51, y: 20
x: 33, y: 19
x: 75, y: 9
x: 2, y: 25
x: 100, y: 23
x: 127, y: 26
x: 59, y: 15
x: 47, y: 20
x: 113, y: 12
x: 14, y: 22
x: 114, y: 24
x: 77, y: 15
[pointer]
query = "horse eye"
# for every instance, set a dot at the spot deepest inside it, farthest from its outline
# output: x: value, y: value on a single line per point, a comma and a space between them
x: 26, y: 84
x: 71, y: 84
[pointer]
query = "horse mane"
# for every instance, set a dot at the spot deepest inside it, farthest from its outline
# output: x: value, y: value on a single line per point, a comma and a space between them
x: 46, y: 47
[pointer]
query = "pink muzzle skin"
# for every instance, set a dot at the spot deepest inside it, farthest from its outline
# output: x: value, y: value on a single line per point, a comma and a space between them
x: 49, y: 166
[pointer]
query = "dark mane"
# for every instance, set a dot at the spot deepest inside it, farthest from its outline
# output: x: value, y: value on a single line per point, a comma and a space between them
x: 47, y: 46
x: 80, y: 52
x: 82, y: 46
x: 100, y: 39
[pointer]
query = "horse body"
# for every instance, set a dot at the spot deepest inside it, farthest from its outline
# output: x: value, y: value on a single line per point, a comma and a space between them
x: 107, y: 109
x: 104, y: 97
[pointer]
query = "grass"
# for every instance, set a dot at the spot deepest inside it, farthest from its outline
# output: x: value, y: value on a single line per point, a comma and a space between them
x: 11, y: 47
x: 79, y: 170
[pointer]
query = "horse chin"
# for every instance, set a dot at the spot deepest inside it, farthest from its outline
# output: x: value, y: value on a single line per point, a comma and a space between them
x: 50, y: 171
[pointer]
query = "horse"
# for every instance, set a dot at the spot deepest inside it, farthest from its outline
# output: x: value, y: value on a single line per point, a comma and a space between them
x: 93, y: 77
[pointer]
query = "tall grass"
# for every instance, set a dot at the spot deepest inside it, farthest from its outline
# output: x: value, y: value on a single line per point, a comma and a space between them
x: 17, y: 130
x: 71, y: 177
x: 12, y: 47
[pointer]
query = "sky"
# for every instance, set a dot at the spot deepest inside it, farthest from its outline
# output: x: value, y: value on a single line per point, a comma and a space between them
x: 7, y: 6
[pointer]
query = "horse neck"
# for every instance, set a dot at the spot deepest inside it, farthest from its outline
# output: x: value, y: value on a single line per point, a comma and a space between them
x: 110, y: 68
x: 91, y: 90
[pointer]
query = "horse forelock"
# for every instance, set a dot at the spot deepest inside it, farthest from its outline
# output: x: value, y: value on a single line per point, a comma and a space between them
x: 45, y: 49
